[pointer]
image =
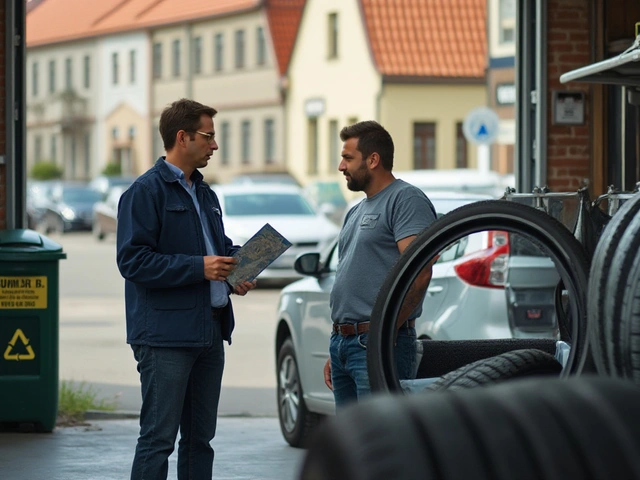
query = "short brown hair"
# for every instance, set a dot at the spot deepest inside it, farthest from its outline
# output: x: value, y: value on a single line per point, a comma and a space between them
x: 372, y: 137
x: 183, y: 114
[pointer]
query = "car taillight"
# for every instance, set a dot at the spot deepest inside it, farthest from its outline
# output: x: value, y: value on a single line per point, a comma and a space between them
x: 488, y: 267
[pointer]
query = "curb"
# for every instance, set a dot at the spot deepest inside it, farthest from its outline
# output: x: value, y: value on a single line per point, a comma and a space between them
x: 114, y: 415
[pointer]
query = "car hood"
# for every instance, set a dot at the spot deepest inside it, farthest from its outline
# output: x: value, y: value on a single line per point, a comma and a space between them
x: 295, y: 228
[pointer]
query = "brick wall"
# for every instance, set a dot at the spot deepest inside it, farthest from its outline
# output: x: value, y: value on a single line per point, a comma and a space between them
x: 3, y: 177
x: 568, y: 147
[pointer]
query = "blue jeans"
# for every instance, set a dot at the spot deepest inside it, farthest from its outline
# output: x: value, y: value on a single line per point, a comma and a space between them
x: 180, y: 389
x: 349, y: 374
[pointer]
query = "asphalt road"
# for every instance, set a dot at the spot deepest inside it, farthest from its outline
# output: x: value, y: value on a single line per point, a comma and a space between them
x: 92, y: 334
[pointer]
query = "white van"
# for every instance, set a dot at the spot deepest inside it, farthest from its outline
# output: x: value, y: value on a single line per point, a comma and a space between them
x: 467, y: 180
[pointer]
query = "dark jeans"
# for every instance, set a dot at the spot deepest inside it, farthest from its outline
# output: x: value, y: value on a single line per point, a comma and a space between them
x: 349, y: 374
x: 180, y: 389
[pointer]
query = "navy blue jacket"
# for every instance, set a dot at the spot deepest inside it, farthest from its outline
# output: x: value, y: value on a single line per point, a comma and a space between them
x: 160, y: 250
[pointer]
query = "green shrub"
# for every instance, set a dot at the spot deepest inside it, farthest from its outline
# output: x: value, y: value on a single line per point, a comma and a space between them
x: 45, y: 171
x: 112, y: 169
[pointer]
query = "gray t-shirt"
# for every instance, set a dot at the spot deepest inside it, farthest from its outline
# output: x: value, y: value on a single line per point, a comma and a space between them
x: 367, y: 247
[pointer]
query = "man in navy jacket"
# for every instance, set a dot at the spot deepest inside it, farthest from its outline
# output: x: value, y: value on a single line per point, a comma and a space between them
x: 175, y: 257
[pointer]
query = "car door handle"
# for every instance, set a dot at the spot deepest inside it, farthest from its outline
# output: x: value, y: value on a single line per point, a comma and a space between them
x: 435, y: 289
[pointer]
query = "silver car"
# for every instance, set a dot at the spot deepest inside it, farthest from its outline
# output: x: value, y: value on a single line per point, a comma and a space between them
x: 469, y: 297
x: 246, y: 208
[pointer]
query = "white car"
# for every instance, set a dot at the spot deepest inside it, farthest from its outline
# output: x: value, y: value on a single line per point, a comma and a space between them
x: 246, y: 208
x: 469, y: 297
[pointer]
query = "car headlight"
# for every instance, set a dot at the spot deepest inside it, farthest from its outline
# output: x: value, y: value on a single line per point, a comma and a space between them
x: 68, y: 214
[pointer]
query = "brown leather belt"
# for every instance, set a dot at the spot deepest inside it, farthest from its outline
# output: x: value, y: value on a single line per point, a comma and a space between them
x: 348, y: 329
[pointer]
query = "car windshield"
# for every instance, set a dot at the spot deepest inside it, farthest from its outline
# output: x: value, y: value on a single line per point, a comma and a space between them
x: 267, y: 204
x: 80, y: 195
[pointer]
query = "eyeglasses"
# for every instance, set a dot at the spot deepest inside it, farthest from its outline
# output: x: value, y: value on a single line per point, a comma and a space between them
x: 210, y: 136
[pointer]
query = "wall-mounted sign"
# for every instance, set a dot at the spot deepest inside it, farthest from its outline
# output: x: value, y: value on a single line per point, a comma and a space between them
x: 481, y: 125
x: 568, y: 108
x: 505, y: 94
x: 314, y: 107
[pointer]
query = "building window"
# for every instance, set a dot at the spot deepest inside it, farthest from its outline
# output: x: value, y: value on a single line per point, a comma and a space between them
x: 261, y: 47
x: 176, y: 58
x: 68, y: 74
x: 312, y: 144
x: 239, y: 48
x: 507, y: 21
x: 224, y: 143
x: 54, y: 148
x: 115, y: 133
x: 37, y: 148
x: 335, y: 152
x: 246, y: 141
x: 352, y: 120
x: 157, y: 60
x: 34, y: 79
x: 87, y: 71
x: 332, y: 32
x: 197, y: 55
x: 132, y: 66
x: 424, y: 145
x: 114, y: 68
x: 87, y: 155
x: 269, y: 141
x: 132, y: 132
x: 218, y: 48
x: 462, y: 159
x: 158, y: 143
x: 52, y: 76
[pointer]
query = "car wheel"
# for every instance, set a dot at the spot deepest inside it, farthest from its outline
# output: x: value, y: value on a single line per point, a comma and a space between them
x: 602, y: 284
x: 97, y: 231
x: 509, y: 365
x: 296, y: 421
x: 559, y: 244
x: 584, y: 427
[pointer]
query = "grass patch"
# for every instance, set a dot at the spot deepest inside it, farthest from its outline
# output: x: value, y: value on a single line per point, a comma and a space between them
x: 75, y: 399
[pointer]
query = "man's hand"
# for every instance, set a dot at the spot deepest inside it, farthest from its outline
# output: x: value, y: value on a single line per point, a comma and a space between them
x: 327, y: 374
x: 242, y: 288
x: 218, y: 268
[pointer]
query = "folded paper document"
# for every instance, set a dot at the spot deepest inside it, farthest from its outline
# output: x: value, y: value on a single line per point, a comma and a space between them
x: 257, y: 254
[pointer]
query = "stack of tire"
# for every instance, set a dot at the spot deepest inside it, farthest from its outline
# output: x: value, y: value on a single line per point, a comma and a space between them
x: 576, y: 426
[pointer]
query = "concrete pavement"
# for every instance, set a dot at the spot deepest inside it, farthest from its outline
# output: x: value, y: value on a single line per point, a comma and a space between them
x: 246, y: 449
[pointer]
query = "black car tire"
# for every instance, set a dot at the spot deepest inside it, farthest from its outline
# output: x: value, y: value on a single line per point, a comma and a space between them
x: 506, y: 366
x: 296, y: 426
x: 621, y: 315
x: 542, y: 429
x: 601, y: 268
x: 564, y: 249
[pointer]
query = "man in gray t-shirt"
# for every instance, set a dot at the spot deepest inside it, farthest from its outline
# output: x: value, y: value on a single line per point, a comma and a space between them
x: 375, y: 232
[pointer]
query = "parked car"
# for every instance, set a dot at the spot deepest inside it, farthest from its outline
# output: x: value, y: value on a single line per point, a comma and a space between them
x: 103, y: 183
x: 105, y: 213
x: 70, y: 208
x: 327, y: 196
x: 38, y: 198
x: 246, y: 208
x: 466, y: 180
x: 466, y: 299
x: 265, y: 177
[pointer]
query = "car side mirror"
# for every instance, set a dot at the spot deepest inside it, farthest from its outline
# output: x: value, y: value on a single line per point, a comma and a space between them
x: 307, y: 263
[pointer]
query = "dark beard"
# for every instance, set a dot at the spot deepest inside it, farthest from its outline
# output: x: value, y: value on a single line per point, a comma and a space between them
x: 359, y: 184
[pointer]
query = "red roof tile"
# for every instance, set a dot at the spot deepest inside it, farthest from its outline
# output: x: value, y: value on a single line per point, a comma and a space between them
x: 284, y: 20
x: 427, y: 38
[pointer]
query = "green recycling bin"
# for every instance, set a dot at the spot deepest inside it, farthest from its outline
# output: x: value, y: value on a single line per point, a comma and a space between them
x: 29, y: 329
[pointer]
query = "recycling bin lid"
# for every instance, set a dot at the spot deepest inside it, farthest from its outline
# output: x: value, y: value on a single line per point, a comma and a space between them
x: 16, y: 243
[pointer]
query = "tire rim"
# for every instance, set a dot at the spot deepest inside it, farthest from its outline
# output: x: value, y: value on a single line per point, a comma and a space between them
x: 288, y: 393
